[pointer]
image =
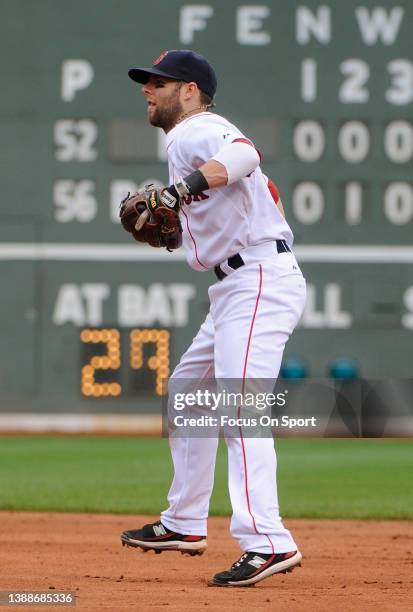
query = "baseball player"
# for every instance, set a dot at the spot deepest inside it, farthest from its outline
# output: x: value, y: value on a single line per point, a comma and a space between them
x: 229, y: 223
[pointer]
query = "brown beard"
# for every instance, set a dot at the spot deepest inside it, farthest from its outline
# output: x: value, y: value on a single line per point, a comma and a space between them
x: 165, y: 117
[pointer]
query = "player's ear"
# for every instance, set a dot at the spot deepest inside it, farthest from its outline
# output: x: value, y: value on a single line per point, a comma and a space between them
x: 190, y: 90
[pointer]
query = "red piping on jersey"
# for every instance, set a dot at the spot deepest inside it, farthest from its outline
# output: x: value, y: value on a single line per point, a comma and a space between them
x: 193, y: 240
x: 250, y: 143
x: 239, y: 410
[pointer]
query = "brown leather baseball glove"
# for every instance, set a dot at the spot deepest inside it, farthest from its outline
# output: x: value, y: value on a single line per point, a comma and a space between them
x: 158, y: 226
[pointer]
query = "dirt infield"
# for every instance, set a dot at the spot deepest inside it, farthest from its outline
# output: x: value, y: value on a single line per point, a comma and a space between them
x: 348, y: 565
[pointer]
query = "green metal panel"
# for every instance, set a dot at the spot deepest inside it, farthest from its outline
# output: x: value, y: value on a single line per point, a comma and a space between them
x: 67, y: 154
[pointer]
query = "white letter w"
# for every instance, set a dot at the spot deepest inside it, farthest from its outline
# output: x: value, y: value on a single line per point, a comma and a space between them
x: 378, y: 24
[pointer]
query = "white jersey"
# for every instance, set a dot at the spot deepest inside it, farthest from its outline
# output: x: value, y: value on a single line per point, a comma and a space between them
x: 224, y: 220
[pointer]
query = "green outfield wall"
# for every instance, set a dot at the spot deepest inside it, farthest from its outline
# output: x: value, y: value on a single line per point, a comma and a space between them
x: 90, y: 321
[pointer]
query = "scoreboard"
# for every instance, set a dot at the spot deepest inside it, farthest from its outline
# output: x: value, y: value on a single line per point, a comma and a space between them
x: 91, y: 322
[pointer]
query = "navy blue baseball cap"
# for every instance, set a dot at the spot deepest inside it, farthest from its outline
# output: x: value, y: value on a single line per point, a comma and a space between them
x: 181, y: 65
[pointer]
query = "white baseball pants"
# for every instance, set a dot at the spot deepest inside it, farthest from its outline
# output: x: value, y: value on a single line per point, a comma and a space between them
x: 253, y: 312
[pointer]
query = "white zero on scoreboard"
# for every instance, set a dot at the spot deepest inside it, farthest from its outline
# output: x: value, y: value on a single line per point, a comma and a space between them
x: 353, y: 141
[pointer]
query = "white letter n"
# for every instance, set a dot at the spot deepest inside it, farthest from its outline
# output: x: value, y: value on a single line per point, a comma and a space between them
x: 308, y: 24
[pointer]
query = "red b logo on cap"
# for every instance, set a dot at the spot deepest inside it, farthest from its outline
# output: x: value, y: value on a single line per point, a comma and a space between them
x: 160, y: 58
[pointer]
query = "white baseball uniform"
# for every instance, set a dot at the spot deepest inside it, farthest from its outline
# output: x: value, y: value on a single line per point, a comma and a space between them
x: 253, y: 310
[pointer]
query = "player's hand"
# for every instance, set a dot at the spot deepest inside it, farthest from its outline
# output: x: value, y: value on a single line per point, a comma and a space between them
x: 162, y: 203
x: 131, y: 209
x: 149, y: 219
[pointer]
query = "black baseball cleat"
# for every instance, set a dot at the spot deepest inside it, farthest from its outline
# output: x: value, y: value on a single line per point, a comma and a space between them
x: 157, y: 537
x: 253, y: 567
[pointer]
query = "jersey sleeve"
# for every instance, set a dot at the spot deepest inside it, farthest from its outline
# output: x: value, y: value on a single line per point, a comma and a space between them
x: 204, y: 140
